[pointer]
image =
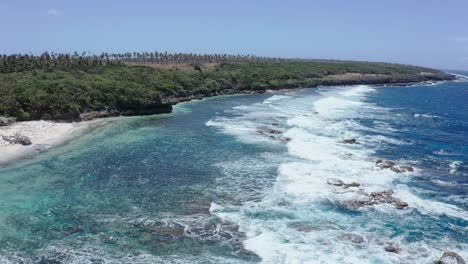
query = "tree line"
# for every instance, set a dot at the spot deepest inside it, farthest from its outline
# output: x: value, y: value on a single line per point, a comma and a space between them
x: 50, y: 61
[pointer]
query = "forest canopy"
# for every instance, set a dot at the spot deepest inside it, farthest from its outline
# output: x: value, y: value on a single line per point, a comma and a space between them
x: 62, y: 86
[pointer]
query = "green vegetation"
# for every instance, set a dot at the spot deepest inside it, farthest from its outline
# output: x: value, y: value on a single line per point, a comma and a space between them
x: 63, y: 90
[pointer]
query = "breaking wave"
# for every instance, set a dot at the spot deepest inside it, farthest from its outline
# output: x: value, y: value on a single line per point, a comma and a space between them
x: 317, y: 208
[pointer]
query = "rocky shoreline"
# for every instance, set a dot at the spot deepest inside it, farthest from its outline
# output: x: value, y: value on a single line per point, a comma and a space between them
x: 29, y: 140
x: 165, y: 104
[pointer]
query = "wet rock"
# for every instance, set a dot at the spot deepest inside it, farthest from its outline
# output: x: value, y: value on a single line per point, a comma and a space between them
x: 273, y: 131
x: 354, y: 238
x: 350, y: 141
x: 385, y: 164
x: 274, y: 124
x: 285, y: 139
x: 386, y: 197
x: 450, y: 257
x: 6, y: 121
x: 391, y: 248
x: 374, y: 198
x: 18, y: 139
x: 395, y: 169
x: 307, y: 227
x: 400, y: 204
x: 406, y: 168
x: 335, y: 182
x: 353, y: 204
x: 353, y: 184
x: 378, y: 161
x: 338, y: 182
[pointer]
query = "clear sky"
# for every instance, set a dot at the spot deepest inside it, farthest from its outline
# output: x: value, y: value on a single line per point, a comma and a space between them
x: 431, y: 33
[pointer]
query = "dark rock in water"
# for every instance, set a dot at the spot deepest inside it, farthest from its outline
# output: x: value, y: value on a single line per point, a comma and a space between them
x: 391, y: 248
x: 353, y: 204
x: 406, y: 168
x: 374, y: 198
x: 350, y: 141
x: 356, y: 239
x: 73, y: 229
x: 273, y: 131
x: 395, y: 169
x: 18, y: 139
x: 386, y: 164
x: 308, y: 227
x: 400, y: 204
x: 335, y: 182
x: 6, y: 121
x: 338, y: 182
x: 285, y: 139
x: 450, y: 257
x: 274, y: 124
x: 386, y: 197
x: 353, y: 184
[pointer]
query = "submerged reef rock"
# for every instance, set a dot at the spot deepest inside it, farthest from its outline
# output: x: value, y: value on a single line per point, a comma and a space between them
x: 354, y: 238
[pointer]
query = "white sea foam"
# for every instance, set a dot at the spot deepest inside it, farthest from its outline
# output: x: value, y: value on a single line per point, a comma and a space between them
x: 426, y: 116
x: 315, y: 126
x: 455, y: 166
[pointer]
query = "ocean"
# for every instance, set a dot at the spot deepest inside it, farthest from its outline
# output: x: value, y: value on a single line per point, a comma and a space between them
x: 265, y: 178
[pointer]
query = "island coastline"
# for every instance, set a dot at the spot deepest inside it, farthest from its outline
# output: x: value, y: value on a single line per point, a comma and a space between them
x: 47, y: 134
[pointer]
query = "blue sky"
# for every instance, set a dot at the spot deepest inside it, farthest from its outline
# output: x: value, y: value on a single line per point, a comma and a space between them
x: 431, y: 33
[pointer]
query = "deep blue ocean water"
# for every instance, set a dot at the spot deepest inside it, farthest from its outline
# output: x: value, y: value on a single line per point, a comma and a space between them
x: 207, y: 184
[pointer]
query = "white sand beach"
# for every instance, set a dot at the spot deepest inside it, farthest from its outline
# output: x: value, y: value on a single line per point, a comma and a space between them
x: 43, y: 135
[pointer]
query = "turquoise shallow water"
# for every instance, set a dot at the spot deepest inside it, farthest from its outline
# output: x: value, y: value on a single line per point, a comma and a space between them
x: 202, y: 185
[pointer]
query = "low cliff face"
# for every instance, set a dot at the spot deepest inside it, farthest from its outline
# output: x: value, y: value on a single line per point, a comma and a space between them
x: 74, y: 94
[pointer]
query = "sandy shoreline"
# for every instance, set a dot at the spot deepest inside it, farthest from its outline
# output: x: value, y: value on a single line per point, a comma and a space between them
x: 43, y: 134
